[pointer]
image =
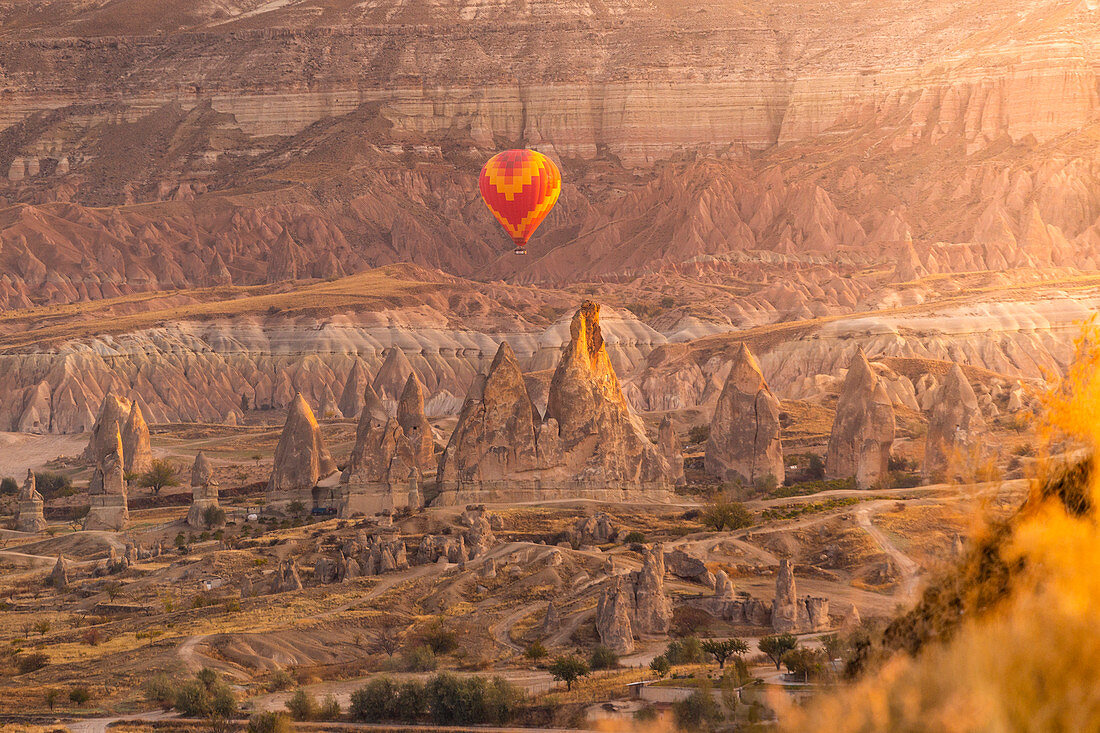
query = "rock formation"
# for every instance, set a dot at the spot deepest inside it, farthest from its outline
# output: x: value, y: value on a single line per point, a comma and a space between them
x: 791, y: 614
x: 29, y: 509
x: 670, y: 448
x: 301, y: 458
x: 603, y: 442
x: 417, y: 429
x: 723, y: 586
x: 863, y: 429
x: 204, y: 494
x: 59, y: 576
x: 126, y: 418
x: 634, y: 604
x: 689, y: 567
x: 613, y: 613
x: 382, y: 473
x: 552, y: 620
x: 493, y: 445
x: 135, y: 442
x: 286, y: 578
x: 107, y: 491
x: 355, y: 387
x: 595, y: 529
x: 744, y: 431
x: 954, y: 428
x: 392, y: 376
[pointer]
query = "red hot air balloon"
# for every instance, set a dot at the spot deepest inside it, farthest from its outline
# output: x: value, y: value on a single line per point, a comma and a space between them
x: 520, y: 187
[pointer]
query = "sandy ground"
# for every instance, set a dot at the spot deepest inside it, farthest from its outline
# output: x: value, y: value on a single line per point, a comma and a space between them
x: 20, y: 451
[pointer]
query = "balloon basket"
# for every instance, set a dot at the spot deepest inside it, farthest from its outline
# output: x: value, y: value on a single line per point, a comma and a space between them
x: 520, y: 251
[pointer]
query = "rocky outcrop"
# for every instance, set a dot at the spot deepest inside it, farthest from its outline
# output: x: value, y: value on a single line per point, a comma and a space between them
x: 204, y: 496
x: 124, y: 417
x: 285, y: 578
x: 135, y: 442
x: 954, y: 428
x: 723, y: 586
x: 493, y: 447
x: 301, y: 458
x: 355, y: 387
x: 791, y: 614
x: 382, y: 473
x: 59, y: 576
x: 107, y: 490
x: 595, y: 529
x: 670, y: 448
x: 603, y: 443
x: 863, y: 428
x: 744, y: 432
x: 479, y: 536
x: 689, y: 567
x: 414, y: 423
x: 29, y: 515
x: 635, y: 604
x: 392, y: 377
x: 551, y: 620
x: 613, y: 612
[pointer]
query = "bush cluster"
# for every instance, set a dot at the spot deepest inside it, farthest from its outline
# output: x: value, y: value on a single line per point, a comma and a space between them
x: 446, y: 699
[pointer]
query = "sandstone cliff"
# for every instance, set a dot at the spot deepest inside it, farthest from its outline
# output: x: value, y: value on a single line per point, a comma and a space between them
x: 383, y: 470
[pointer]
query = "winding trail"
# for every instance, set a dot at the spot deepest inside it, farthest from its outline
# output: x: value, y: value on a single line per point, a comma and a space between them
x: 908, y: 568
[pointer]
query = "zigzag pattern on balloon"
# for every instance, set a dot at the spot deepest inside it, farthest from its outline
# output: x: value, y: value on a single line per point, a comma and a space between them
x: 520, y: 187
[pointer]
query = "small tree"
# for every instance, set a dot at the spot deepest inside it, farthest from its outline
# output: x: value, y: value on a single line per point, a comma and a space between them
x: 536, y: 651
x: 603, y: 658
x: 722, y: 515
x: 31, y: 662
x: 723, y: 650
x: 79, y: 695
x: 684, y: 651
x: 301, y: 706
x: 269, y: 723
x: 806, y: 663
x: 161, y: 474
x: 568, y: 670
x: 776, y: 646
x: 296, y: 508
x: 52, y: 696
x: 329, y: 710
x: 660, y: 666
x: 698, y: 712
x: 213, y: 516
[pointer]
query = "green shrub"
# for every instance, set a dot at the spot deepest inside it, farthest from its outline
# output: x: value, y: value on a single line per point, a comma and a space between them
x: 329, y: 710
x: 33, y: 662
x: 382, y: 700
x: 269, y: 723
x: 440, y: 639
x: 301, y: 706
x: 536, y: 651
x: 420, y: 658
x: 280, y: 680
x: 727, y: 515
x: 160, y: 690
x: 634, y: 538
x: 698, y: 712
x: 470, y: 700
x: 213, y: 516
x: 53, y: 485
x: 660, y: 666
x: 206, y: 696
x: 79, y: 695
x: 603, y: 658
x: 684, y: 651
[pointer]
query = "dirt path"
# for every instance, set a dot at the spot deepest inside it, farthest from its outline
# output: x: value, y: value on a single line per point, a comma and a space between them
x: 908, y: 568
x: 195, y: 660
x: 20, y: 451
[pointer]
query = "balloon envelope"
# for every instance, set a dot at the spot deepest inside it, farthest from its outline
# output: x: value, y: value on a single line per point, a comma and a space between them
x: 520, y: 187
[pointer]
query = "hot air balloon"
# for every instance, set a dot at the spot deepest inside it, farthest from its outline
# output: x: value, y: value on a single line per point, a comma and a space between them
x: 520, y: 187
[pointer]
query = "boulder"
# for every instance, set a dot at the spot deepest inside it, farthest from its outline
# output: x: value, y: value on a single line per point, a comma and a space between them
x: 286, y: 578
x: 29, y: 515
x: 954, y: 428
x: 744, y: 432
x: 863, y: 428
x: 689, y: 567
x: 301, y: 458
x: 723, y: 586
x: 595, y: 529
